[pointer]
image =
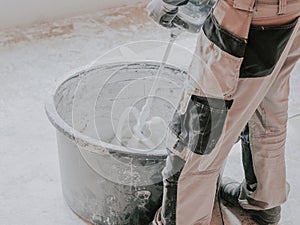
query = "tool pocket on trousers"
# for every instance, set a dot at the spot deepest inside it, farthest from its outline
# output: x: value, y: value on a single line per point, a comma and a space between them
x: 264, y: 48
x: 217, y: 61
x: 200, y: 128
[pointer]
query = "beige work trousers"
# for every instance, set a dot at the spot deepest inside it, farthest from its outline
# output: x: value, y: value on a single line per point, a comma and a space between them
x: 261, y: 101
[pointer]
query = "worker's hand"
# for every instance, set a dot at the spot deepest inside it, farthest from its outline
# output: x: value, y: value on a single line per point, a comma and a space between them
x: 162, y: 12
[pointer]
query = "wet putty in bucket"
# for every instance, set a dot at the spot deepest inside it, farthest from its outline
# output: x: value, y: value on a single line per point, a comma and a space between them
x: 146, y: 132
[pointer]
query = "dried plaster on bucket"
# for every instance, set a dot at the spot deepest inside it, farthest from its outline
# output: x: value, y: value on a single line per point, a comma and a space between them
x: 102, y: 182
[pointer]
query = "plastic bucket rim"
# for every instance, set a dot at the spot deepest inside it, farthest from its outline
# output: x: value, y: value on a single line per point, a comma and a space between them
x: 86, y: 142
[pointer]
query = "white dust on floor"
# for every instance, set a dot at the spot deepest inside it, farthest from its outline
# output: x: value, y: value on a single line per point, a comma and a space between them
x: 30, y: 188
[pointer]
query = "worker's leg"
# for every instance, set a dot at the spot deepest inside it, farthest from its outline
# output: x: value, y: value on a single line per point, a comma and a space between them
x: 263, y: 144
x: 263, y: 139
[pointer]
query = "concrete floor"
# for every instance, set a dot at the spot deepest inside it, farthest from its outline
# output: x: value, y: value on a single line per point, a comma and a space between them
x: 34, y: 61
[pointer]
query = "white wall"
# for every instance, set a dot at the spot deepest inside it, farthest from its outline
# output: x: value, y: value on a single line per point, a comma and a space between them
x: 24, y: 12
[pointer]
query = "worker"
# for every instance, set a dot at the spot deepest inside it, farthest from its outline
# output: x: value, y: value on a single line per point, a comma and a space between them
x: 238, y: 83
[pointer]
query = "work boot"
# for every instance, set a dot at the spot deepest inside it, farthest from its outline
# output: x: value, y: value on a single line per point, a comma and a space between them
x: 230, y: 191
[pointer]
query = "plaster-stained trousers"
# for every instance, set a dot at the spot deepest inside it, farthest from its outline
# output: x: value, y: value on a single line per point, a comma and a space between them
x: 239, y: 77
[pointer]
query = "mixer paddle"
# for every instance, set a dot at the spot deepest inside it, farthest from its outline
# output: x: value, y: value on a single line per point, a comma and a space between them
x: 138, y: 138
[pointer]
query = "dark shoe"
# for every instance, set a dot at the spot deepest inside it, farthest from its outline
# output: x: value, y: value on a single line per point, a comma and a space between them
x: 230, y: 191
x: 266, y: 217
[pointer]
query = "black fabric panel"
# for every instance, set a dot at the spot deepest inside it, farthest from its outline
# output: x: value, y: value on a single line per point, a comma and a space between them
x: 211, y: 118
x: 224, y: 39
x: 264, y: 48
x: 247, y: 159
x: 201, y: 126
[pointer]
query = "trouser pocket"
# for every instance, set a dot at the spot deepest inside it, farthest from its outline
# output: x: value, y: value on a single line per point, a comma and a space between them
x: 200, y: 127
x: 215, y: 67
x: 264, y: 48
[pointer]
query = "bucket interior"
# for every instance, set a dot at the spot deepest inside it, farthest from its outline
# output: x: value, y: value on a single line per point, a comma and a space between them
x: 92, y: 101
